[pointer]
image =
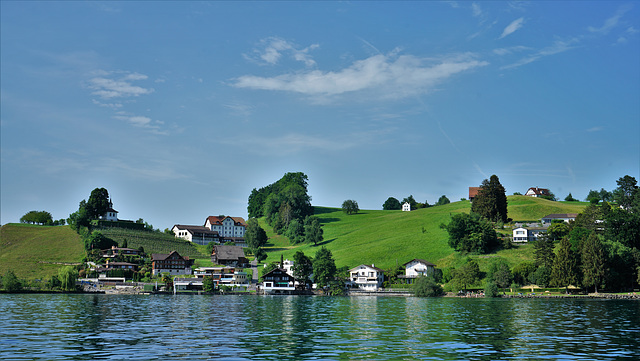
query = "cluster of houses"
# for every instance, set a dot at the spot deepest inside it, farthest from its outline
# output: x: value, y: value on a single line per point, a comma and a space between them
x: 216, y: 229
x: 530, y: 232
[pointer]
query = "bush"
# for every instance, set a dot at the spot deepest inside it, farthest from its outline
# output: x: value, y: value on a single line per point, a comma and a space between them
x: 427, y: 287
x: 491, y: 290
x: 11, y: 283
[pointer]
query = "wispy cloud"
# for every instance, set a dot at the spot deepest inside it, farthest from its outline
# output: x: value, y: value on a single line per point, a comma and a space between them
x: 595, y: 129
x: 142, y: 122
x: 384, y: 76
x: 271, y: 50
x: 513, y: 27
x: 558, y: 46
x: 612, y: 21
x: 510, y: 50
x: 108, y: 85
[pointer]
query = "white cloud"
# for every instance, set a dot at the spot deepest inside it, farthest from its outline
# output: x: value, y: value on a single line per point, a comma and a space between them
x: 475, y: 8
x: 387, y: 76
x: 610, y: 22
x: 511, y: 28
x: 114, y: 85
x: 272, y: 49
x: 558, y: 47
x: 595, y: 129
x: 510, y: 50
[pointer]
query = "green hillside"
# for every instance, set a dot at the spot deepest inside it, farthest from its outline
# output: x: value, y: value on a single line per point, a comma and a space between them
x: 387, y: 238
x: 36, y: 252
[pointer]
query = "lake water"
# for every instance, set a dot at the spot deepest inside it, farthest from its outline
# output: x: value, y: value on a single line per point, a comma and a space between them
x: 159, y: 327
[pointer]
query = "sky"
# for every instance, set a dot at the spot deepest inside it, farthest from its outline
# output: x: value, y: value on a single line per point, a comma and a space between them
x: 180, y: 109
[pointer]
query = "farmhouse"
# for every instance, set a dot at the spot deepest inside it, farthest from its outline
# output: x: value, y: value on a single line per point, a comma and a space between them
x: 229, y: 256
x: 172, y: 263
x: 473, y: 192
x: 537, y: 192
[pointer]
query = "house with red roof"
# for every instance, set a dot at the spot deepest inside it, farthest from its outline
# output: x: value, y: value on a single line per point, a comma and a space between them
x: 537, y: 192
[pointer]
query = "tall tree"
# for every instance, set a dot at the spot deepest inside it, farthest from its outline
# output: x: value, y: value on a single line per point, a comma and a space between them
x: 68, y: 276
x: 593, y: 262
x: 565, y: 267
x: 391, y: 204
x: 471, y: 233
x: 624, y: 194
x: 98, y: 203
x: 324, y: 267
x: 302, y: 268
x: 350, y: 206
x: 543, y: 251
x: 313, y: 231
x: 443, y: 200
x: 491, y: 201
x: 37, y: 217
x: 467, y: 274
x: 569, y: 198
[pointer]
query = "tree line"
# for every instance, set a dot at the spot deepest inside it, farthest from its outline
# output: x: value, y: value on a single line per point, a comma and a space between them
x: 393, y: 203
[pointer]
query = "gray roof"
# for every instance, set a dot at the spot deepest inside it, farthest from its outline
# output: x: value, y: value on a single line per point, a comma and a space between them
x: 228, y: 252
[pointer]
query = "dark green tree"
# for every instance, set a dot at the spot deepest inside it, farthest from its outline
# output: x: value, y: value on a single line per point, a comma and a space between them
x: 412, y: 202
x: 471, y: 233
x: 391, y: 204
x: 593, y: 262
x: 98, y: 203
x: 37, y: 217
x: 443, y: 200
x: 558, y: 230
x: 565, y: 271
x: 522, y: 272
x: 569, y: 198
x: 255, y: 236
x: 313, y: 231
x: 593, y: 197
x: 427, y: 287
x: 208, y: 285
x: 491, y: 201
x: 10, y: 282
x: 295, y: 233
x: 624, y: 194
x: 500, y: 273
x: 80, y: 218
x: 68, y: 276
x: 302, y: 268
x: 543, y: 251
x: 98, y: 241
x: 350, y: 206
x: 324, y: 267
x: 467, y: 275
x: 591, y: 218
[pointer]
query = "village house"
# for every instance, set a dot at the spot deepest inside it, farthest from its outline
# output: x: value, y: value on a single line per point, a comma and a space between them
x: 196, y: 234
x: 227, y: 226
x: 224, y: 276
x: 229, y: 256
x: 120, y: 265
x: 110, y: 215
x: 119, y: 251
x: 565, y: 217
x: 172, y: 263
x: 537, y: 192
x: 278, y: 281
x: 368, y: 278
x: 528, y: 234
x: 406, y: 207
x: 417, y: 268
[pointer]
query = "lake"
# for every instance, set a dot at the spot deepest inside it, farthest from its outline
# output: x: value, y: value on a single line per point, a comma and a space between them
x: 159, y: 327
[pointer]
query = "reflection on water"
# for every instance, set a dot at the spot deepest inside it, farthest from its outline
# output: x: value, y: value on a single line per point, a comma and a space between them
x: 88, y: 327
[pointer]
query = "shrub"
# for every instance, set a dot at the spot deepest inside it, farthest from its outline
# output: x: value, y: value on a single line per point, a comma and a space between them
x: 427, y: 287
x: 491, y: 290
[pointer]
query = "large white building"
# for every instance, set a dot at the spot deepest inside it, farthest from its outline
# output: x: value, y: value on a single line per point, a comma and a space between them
x: 367, y: 278
x: 227, y: 226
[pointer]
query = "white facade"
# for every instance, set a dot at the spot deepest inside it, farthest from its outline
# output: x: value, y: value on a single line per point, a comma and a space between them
x: 522, y: 234
x: 419, y: 267
x: 227, y: 226
x: 111, y: 215
x: 368, y: 278
x: 406, y: 207
x: 196, y: 234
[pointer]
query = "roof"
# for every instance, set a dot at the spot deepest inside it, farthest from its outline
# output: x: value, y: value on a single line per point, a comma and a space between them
x: 561, y: 215
x: 473, y: 192
x: 539, y: 191
x: 238, y: 221
x: 279, y: 270
x: 364, y: 265
x: 228, y: 252
x: 427, y: 263
x: 195, y: 229
x: 162, y: 256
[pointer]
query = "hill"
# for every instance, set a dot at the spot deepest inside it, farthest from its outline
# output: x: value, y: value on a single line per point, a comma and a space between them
x: 388, y: 238
x: 36, y: 252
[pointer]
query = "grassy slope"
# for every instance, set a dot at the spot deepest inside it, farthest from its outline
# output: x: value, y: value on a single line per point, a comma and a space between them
x: 387, y: 238
x: 37, y: 251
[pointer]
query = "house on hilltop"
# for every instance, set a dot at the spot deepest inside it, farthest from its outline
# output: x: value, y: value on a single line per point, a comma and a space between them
x: 537, y: 192
x: 406, y: 207
x: 473, y: 192
x: 110, y: 215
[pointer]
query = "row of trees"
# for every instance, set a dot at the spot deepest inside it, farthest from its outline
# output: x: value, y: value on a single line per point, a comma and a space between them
x: 65, y: 280
x: 41, y: 217
x: 393, y: 203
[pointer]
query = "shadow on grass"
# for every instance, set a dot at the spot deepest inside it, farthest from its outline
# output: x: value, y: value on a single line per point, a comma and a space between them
x: 328, y: 220
x: 326, y: 241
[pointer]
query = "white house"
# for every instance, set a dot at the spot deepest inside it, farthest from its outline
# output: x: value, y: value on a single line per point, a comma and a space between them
x: 196, y: 234
x: 537, y: 192
x: 110, y: 215
x: 530, y: 234
x: 368, y: 278
x: 406, y: 207
x: 566, y: 217
x: 419, y: 267
x: 227, y: 226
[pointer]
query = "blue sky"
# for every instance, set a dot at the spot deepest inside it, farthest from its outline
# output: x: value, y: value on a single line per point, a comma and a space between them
x: 179, y: 109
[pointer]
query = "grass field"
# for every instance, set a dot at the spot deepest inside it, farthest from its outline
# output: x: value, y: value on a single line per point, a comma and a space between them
x: 36, y: 252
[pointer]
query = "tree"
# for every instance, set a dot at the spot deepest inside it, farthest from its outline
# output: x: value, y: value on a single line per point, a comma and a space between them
x: 443, y: 200
x: 543, y: 251
x: 593, y: 262
x: 491, y: 289
x: 427, y: 287
x: 295, y: 232
x: 208, y: 285
x: 471, y: 233
x: 569, y: 198
x: 523, y: 271
x: 324, y: 267
x: 98, y: 203
x: 590, y: 218
x: 256, y: 238
x: 302, y: 268
x: 557, y: 230
x: 313, y: 231
x: 10, y: 282
x: 605, y: 195
x: 500, y: 273
x: 624, y: 194
x: 593, y: 197
x: 80, y: 218
x: 491, y: 201
x: 391, y: 204
x: 68, y: 276
x: 350, y: 206
x: 98, y: 241
x: 467, y: 274
x: 37, y: 217
x: 565, y: 266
